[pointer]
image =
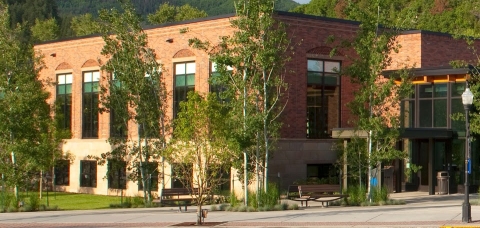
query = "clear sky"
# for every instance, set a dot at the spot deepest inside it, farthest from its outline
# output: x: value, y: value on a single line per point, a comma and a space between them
x: 302, y: 1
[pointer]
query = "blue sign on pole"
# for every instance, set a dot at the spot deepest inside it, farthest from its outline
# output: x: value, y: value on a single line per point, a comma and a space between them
x: 469, y: 166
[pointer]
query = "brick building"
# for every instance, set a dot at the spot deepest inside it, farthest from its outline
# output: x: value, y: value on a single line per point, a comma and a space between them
x: 315, y: 106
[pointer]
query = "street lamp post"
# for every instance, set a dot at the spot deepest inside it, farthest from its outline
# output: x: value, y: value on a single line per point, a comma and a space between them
x: 467, y: 100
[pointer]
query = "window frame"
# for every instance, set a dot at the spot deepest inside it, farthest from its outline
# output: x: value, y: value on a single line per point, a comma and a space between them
x: 93, y: 117
x: 324, y: 132
x: 61, y: 172
x: 66, y: 104
x: 185, y: 88
x: 88, y: 173
x: 117, y: 174
x: 153, y: 177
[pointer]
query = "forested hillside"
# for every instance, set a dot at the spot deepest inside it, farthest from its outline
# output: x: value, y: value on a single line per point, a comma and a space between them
x: 144, y: 7
x: 449, y: 16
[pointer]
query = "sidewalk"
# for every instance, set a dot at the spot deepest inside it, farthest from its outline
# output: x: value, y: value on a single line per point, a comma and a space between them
x: 421, y: 210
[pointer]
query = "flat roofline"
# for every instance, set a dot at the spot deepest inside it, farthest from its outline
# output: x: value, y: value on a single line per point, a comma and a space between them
x: 430, y: 71
x: 149, y: 27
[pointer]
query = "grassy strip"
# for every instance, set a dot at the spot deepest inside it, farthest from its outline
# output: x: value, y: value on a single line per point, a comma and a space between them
x: 77, y: 201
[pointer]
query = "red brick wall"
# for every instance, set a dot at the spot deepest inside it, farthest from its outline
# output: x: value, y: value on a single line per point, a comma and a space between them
x: 420, y: 49
x: 439, y: 49
x: 307, y: 34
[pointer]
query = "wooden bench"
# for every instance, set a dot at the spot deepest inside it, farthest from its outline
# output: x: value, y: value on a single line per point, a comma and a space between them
x: 324, y: 193
x: 178, y: 195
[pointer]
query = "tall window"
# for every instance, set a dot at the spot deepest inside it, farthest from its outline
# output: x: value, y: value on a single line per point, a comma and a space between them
x: 323, y: 89
x: 118, y: 123
x: 64, y: 101
x: 432, y: 105
x: 216, y: 86
x: 88, y: 173
x: 117, y: 174
x: 90, y: 104
x: 151, y: 175
x: 184, y: 83
x: 62, y: 172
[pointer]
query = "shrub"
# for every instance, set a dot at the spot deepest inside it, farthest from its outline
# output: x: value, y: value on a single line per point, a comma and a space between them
x: 233, y: 200
x: 213, y: 208
x: 278, y: 207
x: 379, y: 194
x: 357, y: 195
x: 34, y: 202
x: 252, y: 199
x: 293, y: 206
x: 222, y: 207
x: 271, y: 197
x: 242, y: 208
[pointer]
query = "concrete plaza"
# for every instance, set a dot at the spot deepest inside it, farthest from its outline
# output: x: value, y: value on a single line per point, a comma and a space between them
x: 420, y: 210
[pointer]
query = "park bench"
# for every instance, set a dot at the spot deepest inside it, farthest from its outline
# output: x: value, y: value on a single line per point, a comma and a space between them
x: 178, y: 195
x: 324, y: 193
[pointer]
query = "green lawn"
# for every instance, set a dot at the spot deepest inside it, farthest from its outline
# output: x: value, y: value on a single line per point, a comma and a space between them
x: 75, y: 201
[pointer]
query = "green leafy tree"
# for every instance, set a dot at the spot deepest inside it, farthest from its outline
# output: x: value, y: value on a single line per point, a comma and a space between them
x: 45, y: 30
x: 256, y: 51
x: 375, y: 104
x: 84, y: 25
x: 202, y: 141
x: 28, y: 137
x: 169, y: 13
x: 135, y: 92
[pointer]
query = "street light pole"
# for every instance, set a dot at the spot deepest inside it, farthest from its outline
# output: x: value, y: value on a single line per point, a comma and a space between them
x: 467, y: 100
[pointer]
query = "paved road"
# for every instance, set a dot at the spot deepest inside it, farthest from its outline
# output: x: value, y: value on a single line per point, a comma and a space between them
x: 421, y: 210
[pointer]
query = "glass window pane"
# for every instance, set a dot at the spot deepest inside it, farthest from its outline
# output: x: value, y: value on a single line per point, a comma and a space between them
x: 408, y: 110
x: 314, y: 78
x: 180, y: 68
x: 332, y: 67
x: 457, y: 107
x: 95, y: 87
x: 61, y: 89
x: 179, y: 81
x: 61, y: 79
x: 440, y: 113
x: 330, y: 79
x: 96, y: 76
x: 69, y: 78
x: 214, y: 67
x: 191, y: 68
x: 425, y: 91
x: 87, y: 77
x: 315, y: 65
x: 425, y: 114
x: 440, y: 90
x: 458, y: 89
x: 190, y: 80
x: 87, y: 87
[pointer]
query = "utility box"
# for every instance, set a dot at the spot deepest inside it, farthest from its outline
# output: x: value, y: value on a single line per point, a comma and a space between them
x: 442, y: 182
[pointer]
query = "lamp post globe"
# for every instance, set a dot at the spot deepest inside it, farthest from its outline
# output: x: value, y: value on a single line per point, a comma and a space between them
x: 467, y: 101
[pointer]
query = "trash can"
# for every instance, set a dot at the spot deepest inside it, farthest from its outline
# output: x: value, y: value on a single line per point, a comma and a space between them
x: 442, y: 182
